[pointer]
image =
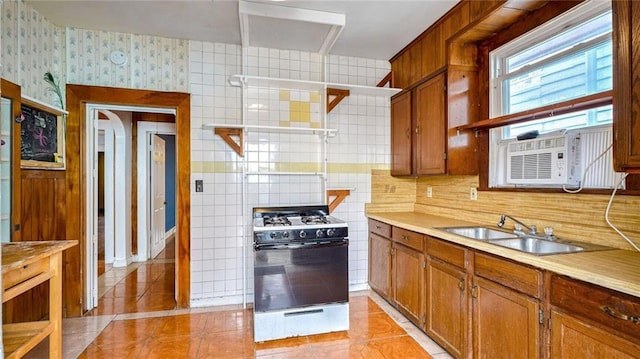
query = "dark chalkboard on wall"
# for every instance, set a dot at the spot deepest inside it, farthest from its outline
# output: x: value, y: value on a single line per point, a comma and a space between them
x: 39, y: 134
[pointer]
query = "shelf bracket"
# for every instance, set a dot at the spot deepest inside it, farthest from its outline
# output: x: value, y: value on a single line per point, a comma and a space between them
x: 339, y: 95
x: 387, y: 79
x: 339, y: 194
x: 227, y: 135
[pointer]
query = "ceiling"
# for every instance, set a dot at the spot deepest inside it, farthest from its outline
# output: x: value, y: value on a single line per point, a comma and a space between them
x: 375, y: 29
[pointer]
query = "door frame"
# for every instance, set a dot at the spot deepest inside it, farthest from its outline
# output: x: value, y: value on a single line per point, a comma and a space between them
x: 78, y: 96
x: 146, y: 128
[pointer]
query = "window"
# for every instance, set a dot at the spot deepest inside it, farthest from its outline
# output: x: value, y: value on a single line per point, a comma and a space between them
x: 566, y: 59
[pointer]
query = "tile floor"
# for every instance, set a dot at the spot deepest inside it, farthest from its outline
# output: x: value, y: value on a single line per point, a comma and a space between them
x: 128, y: 323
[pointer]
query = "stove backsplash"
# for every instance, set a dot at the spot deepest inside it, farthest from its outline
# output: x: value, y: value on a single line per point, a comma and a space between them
x: 361, y: 144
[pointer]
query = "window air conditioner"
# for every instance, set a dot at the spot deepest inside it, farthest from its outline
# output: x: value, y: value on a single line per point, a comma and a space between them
x: 545, y: 161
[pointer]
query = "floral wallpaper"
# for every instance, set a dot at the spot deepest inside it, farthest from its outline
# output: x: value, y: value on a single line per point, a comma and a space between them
x: 153, y: 63
x: 31, y: 46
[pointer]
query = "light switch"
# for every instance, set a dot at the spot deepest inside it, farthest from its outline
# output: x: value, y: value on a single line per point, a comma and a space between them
x: 199, y: 186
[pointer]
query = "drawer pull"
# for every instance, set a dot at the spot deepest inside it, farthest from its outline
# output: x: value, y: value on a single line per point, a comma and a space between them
x: 613, y: 313
x: 461, y: 284
x: 378, y: 227
x: 404, y: 237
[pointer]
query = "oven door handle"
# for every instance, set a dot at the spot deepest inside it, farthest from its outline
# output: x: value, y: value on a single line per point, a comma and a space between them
x: 260, y: 247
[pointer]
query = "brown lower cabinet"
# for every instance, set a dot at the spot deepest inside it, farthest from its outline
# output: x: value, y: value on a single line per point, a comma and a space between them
x: 446, y: 293
x: 398, y: 274
x: 505, y: 322
x: 478, y: 305
x: 592, y: 322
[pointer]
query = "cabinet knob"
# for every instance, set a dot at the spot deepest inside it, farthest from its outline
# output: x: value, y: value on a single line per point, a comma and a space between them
x: 474, y: 291
x: 461, y: 284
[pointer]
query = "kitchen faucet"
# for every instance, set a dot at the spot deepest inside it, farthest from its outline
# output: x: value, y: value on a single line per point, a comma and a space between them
x: 518, y: 228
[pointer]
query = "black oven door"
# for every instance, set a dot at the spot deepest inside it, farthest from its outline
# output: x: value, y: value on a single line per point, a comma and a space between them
x: 300, y: 276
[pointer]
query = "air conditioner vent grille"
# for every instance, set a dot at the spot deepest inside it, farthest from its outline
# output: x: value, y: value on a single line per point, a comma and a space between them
x: 531, y: 167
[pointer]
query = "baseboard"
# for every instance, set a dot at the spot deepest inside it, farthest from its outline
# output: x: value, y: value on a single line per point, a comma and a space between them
x: 170, y: 232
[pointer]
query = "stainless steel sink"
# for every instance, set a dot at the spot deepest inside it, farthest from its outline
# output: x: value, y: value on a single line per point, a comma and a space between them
x: 479, y: 233
x: 538, y: 246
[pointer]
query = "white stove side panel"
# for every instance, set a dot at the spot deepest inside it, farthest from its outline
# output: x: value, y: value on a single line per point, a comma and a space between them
x: 300, y: 321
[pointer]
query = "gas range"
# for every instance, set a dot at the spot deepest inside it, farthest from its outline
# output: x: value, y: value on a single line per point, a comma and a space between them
x: 299, y: 224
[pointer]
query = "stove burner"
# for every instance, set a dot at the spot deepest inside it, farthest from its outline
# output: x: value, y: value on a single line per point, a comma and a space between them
x: 314, y: 220
x: 276, y: 221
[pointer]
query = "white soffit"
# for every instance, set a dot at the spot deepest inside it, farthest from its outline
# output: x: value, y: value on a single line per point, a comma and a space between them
x: 275, y: 26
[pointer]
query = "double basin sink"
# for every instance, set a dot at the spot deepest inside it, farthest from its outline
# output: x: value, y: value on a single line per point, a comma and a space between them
x: 524, y: 243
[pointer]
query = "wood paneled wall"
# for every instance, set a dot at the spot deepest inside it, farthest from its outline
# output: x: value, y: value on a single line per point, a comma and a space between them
x: 573, y: 216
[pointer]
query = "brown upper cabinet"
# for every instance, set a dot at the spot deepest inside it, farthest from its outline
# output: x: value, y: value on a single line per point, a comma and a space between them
x: 418, y: 129
x: 450, y: 47
x: 626, y: 101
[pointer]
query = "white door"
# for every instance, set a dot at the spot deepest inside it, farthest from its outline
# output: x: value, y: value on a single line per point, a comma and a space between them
x: 92, y: 207
x: 158, y: 200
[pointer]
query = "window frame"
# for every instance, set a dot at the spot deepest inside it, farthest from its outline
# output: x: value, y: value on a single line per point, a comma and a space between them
x: 564, y: 22
x: 482, y: 128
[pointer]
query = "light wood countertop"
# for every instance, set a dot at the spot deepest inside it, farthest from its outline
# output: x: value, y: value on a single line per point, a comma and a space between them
x: 20, y: 254
x: 614, y: 269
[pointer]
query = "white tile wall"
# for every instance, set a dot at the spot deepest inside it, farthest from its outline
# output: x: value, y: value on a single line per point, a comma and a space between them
x: 362, y: 140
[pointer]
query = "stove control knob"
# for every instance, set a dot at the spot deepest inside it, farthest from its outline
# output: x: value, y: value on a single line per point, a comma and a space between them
x: 319, y: 233
x: 273, y: 235
x: 285, y: 234
x: 302, y: 234
x: 331, y: 232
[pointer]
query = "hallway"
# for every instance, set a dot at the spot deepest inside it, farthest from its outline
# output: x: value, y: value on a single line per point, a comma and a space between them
x: 140, y: 287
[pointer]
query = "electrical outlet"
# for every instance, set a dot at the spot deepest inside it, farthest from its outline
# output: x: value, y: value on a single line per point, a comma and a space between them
x: 429, y: 192
x: 473, y: 194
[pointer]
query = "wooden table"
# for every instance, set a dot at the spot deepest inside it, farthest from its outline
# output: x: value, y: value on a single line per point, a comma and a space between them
x: 24, y: 266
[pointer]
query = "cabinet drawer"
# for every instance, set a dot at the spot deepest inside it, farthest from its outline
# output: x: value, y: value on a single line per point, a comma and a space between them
x: 380, y: 228
x: 613, y: 309
x: 522, y: 278
x: 408, y: 238
x: 448, y: 252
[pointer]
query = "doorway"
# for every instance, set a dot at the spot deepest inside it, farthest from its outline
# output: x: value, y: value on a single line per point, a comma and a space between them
x: 78, y: 96
x: 129, y: 285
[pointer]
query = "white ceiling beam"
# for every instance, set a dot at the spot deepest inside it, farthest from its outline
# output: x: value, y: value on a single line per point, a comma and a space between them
x: 334, y: 21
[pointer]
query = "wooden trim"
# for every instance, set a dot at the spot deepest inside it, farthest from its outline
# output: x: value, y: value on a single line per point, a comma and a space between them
x: 583, y: 103
x: 339, y: 94
x: 422, y: 34
x: 226, y: 133
x: 77, y: 98
x: 13, y: 92
x: 385, y: 80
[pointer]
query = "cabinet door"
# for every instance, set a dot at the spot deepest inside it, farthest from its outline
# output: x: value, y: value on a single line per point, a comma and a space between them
x: 408, y: 282
x: 379, y: 264
x: 573, y: 338
x: 401, y: 135
x: 626, y: 102
x: 505, y: 322
x: 447, y: 306
x: 430, y: 127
